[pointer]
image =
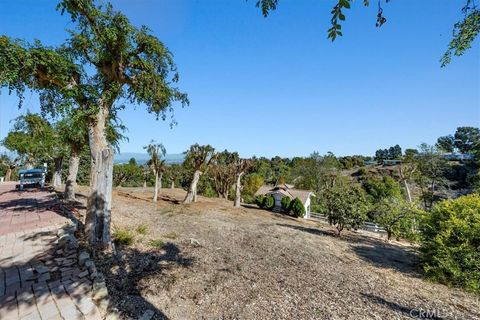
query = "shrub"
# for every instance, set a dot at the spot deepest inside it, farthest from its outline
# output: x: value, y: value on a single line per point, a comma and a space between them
x: 259, y: 200
x: 124, y: 237
x: 171, y: 235
x: 269, y: 202
x: 451, y: 242
x: 157, y: 243
x: 286, y: 204
x: 297, y: 209
x: 141, y: 229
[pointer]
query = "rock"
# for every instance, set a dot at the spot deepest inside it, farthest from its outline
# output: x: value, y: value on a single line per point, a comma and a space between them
x: 62, y: 241
x: 147, y: 315
x: 89, y: 264
x: 112, y: 316
x: 72, y: 243
x: 194, y: 242
x: 82, y: 258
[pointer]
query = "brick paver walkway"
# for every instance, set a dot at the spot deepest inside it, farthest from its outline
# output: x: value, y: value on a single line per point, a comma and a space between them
x: 38, y: 279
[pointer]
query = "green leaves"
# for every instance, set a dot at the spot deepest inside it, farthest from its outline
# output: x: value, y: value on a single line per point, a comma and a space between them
x: 464, y: 33
x: 267, y: 6
x: 451, y: 242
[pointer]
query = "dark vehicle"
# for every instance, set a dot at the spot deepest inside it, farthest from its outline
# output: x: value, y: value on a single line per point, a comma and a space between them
x: 32, y: 177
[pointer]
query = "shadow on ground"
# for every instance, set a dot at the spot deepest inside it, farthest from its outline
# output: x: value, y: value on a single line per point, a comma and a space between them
x: 409, y: 312
x: 128, y: 272
x: 26, y: 203
x: 375, y: 251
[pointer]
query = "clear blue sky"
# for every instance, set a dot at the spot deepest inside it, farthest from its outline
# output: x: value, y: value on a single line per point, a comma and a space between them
x: 277, y: 86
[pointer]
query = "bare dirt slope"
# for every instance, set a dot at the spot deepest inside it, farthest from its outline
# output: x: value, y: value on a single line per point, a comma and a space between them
x: 214, y: 262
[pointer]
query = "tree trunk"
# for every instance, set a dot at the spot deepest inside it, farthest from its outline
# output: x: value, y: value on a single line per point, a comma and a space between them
x: 160, y: 177
x: 389, y: 234
x: 72, y: 175
x: 8, y: 174
x: 405, y: 184
x: 172, y: 185
x: 144, y: 184
x: 238, y: 190
x: 192, y: 190
x: 155, y: 192
x: 97, y: 220
x: 57, y: 173
x: 407, y: 189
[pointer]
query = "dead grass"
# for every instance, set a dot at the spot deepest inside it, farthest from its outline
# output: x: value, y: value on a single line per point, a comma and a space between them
x: 252, y: 264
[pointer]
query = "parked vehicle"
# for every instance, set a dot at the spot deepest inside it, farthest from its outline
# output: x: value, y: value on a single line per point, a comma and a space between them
x: 32, y: 177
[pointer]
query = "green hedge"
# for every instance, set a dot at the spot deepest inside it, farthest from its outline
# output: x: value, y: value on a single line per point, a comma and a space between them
x: 451, y: 242
x: 297, y: 209
x: 259, y: 201
x: 286, y: 204
x: 269, y: 202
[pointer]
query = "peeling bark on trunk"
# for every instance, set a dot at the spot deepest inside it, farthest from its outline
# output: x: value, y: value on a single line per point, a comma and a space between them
x: 71, y: 182
x: 238, y: 190
x: 97, y: 220
x: 8, y: 174
x: 192, y: 190
x: 155, y: 192
x: 57, y: 174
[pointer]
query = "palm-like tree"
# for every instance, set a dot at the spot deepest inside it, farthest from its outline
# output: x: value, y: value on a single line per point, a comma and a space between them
x: 156, y: 163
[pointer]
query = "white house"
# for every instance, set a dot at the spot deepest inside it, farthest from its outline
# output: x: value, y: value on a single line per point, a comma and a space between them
x: 287, y: 190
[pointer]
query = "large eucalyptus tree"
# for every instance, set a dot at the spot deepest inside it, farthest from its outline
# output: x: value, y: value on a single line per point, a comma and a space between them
x: 124, y: 62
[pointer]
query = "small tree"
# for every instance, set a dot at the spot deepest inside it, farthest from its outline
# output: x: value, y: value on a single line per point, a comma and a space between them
x: 240, y: 166
x: 396, y: 216
x: 156, y: 164
x: 429, y: 173
x: 197, y: 159
x: 222, y: 171
x: 346, y: 206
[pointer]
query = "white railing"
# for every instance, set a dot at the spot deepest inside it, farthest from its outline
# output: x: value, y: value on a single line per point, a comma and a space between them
x: 368, y: 226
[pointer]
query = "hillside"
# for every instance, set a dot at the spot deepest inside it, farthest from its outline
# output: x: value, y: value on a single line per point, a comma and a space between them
x: 208, y: 260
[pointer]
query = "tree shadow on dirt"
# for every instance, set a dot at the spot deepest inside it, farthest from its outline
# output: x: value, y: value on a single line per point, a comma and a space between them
x: 406, y: 311
x: 375, y: 251
x: 397, y: 308
x: 311, y: 230
x: 130, y: 271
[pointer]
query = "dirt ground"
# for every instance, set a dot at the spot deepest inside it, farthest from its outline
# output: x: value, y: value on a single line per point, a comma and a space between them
x: 211, y: 261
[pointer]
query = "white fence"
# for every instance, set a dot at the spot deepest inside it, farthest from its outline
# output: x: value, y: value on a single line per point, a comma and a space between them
x: 368, y: 226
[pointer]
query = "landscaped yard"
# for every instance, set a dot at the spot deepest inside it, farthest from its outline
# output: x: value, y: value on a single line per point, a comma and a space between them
x: 208, y: 260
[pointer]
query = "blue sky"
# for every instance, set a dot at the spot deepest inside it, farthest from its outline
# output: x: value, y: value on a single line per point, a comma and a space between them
x: 277, y: 86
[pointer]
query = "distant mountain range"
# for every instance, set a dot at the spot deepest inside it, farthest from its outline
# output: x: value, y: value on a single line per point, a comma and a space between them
x: 142, y: 158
